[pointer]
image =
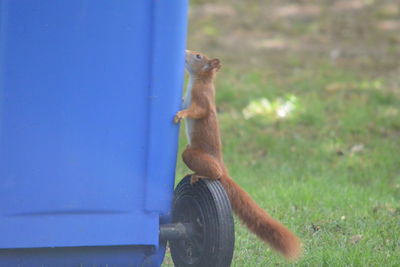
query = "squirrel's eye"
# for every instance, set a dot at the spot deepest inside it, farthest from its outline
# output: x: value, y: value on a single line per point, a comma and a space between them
x: 198, y: 56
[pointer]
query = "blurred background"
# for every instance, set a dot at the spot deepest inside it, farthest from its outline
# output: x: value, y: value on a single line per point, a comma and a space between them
x: 309, y: 106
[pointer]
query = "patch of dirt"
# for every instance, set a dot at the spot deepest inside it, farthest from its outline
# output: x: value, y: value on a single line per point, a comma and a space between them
x: 361, y: 36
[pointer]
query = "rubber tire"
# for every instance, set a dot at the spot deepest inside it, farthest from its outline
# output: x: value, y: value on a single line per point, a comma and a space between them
x: 206, y: 205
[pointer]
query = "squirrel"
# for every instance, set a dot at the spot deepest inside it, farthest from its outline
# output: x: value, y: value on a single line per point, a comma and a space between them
x: 203, y: 154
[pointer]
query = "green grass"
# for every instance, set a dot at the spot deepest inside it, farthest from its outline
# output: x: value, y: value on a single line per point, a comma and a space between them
x: 307, y: 172
x: 330, y: 171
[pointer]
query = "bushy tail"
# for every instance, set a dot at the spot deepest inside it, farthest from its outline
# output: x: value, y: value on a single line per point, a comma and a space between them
x: 260, y: 222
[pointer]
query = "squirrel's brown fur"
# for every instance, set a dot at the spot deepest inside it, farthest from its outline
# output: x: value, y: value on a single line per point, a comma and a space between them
x: 203, y: 155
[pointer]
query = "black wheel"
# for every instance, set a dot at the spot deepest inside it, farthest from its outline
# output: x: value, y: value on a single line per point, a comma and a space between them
x: 206, y: 206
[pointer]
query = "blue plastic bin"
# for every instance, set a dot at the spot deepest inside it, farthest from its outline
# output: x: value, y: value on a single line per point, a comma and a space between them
x: 88, y: 90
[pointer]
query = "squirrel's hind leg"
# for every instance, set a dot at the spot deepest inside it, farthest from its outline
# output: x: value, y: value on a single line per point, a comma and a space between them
x: 203, y: 165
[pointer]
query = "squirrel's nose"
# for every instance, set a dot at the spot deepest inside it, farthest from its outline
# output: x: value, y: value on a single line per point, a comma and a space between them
x: 187, y: 53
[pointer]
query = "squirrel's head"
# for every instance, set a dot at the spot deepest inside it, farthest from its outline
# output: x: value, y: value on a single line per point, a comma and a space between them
x: 199, y: 64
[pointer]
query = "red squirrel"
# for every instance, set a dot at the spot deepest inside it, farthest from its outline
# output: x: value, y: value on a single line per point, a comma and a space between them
x: 203, y: 154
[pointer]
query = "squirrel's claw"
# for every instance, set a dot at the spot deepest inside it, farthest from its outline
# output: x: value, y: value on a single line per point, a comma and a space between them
x: 178, y: 117
x: 194, y: 179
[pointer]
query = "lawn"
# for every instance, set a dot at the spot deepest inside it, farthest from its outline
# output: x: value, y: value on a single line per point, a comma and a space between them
x: 309, y: 109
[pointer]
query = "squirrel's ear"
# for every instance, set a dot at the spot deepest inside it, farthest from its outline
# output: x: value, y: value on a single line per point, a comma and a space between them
x: 215, y: 64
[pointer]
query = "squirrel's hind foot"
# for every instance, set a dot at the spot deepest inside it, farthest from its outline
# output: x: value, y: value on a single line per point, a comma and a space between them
x: 195, y: 178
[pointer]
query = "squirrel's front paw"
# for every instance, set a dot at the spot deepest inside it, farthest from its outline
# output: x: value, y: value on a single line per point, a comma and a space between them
x: 178, y: 117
